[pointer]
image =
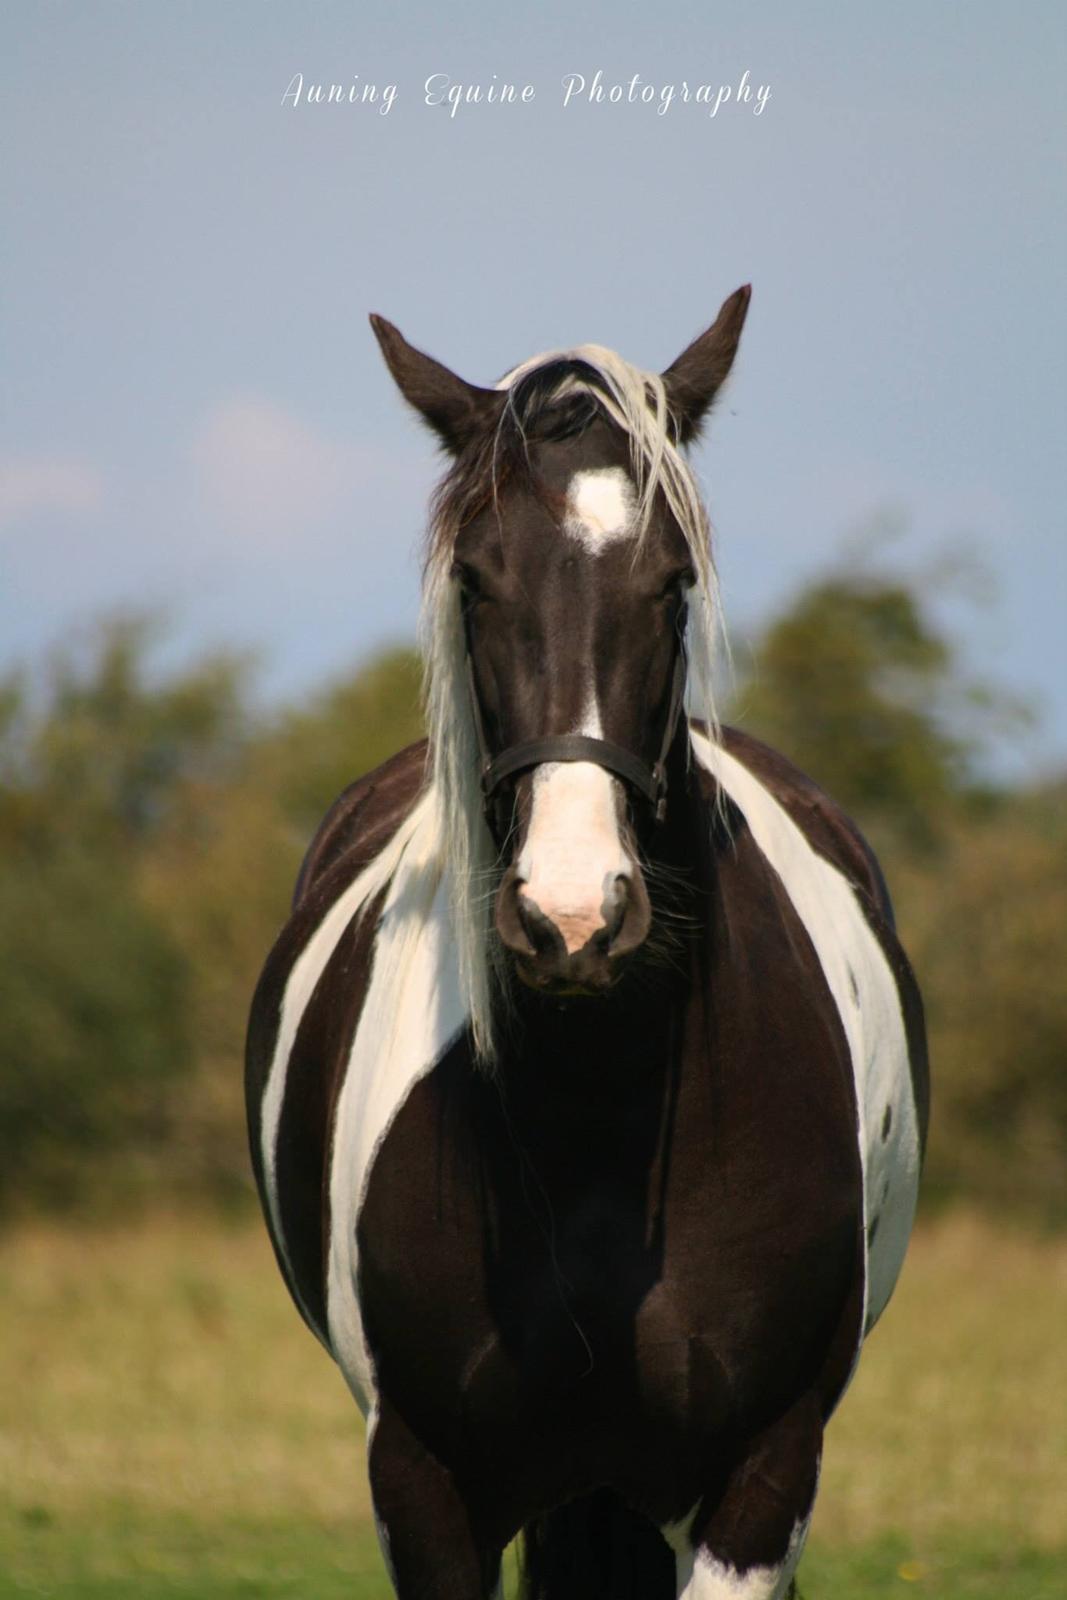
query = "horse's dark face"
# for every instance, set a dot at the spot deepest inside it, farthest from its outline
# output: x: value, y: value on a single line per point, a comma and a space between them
x: 573, y: 626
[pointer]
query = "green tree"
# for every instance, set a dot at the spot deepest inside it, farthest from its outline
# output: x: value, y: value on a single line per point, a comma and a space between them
x: 986, y: 926
x: 221, y: 872
x: 855, y: 683
x: 94, y: 1025
x: 344, y: 730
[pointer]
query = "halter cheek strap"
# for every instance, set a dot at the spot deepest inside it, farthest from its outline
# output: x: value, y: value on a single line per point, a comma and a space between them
x: 649, y: 781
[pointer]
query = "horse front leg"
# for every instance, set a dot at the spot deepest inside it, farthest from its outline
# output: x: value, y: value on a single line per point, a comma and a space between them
x: 745, y: 1539
x: 426, y: 1530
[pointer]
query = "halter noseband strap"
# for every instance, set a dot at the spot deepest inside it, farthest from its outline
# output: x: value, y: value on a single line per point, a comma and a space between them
x: 649, y: 781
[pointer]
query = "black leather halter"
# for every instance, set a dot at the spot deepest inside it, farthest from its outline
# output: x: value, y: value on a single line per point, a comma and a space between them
x: 650, y: 781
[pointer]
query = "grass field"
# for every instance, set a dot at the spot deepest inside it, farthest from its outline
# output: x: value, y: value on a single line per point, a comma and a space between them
x: 169, y: 1428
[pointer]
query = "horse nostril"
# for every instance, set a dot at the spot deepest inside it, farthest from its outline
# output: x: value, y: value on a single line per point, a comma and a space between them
x: 627, y: 915
x: 541, y: 932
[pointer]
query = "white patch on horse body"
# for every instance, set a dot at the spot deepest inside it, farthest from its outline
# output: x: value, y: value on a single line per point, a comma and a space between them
x: 411, y: 1013
x: 300, y: 986
x: 871, y: 1018
x: 601, y: 507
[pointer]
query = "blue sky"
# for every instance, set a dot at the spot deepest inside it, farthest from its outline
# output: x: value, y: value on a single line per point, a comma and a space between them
x: 195, y: 413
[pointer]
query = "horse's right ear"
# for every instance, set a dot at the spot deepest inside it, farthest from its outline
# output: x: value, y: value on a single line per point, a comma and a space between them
x: 456, y: 410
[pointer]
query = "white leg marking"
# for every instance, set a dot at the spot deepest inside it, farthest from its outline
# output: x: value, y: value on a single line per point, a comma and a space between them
x: 865, y: 992
x: 600, y: 507
x: 699, y: 1576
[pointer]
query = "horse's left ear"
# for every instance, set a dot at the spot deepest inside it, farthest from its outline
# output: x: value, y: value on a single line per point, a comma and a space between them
x: 694, y: 379
x: 456, y: 410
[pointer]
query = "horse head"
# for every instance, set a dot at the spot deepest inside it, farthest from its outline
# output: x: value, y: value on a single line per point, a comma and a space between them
x: 569, y: 552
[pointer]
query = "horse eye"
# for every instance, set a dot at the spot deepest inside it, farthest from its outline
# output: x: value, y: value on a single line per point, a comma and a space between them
x: 675, y: 589
x: 467, y: 579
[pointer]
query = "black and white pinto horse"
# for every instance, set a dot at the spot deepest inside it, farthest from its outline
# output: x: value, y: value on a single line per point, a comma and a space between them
x: 586, y: 1082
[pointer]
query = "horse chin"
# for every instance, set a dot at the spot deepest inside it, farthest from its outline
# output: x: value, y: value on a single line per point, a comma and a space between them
x: 555, y: 985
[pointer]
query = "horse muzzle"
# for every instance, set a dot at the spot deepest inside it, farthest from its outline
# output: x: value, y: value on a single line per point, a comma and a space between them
x: 566, y: 946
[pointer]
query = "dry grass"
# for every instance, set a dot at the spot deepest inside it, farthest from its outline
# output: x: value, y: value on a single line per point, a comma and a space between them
x: 166, y: 1366
x: 956, y: 1421
x: 160, y: 1377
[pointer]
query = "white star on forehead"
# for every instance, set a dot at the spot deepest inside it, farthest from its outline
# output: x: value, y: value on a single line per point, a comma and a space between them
x: 600, y: 507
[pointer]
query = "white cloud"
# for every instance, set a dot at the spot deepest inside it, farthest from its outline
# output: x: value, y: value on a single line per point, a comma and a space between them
x: 263, y: 474
x: 32, y: 485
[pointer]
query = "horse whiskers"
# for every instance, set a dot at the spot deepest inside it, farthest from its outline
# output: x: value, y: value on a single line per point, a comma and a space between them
x: 672, y: 897
x: 665, y: 872
x: 654, y: 959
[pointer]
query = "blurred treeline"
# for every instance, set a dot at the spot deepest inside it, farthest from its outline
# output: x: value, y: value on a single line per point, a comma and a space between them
x: 151, y: 827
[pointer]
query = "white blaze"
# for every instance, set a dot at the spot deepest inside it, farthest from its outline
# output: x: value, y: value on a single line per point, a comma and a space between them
x: 573, y: 851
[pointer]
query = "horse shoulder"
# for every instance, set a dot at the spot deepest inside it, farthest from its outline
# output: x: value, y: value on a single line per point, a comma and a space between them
x: 364, y: 816
x: 832, y: 834
x: 305, y: 1011
x: 837, y: 887
x: 829, y: 830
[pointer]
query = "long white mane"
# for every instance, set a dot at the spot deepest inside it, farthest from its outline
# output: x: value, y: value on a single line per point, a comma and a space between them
x: 462, y: 844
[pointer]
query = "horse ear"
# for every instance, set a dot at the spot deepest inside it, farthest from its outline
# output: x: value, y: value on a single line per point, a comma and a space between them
x: 693, y: 380
x: 455, y: 410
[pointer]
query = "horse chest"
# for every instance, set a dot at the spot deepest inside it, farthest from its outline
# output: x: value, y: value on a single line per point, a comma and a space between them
x: 632, y: 1296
